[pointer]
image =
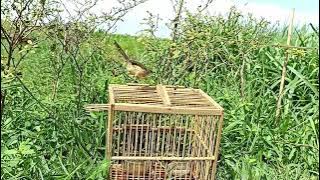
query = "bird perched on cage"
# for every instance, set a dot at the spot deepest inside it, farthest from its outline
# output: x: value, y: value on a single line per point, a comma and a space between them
x: 134, y: 68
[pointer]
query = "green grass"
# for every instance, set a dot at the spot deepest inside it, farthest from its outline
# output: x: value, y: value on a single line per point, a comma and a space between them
x: 68, y: 144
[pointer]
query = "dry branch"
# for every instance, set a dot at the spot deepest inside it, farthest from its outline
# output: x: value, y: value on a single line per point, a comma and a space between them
x: 284, y: 68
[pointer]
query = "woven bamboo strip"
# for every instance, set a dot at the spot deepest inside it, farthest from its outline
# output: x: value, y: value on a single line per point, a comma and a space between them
x: 132, y: 98
x: 137, y: 96
x: 132, y: 92
x: 210, y: 99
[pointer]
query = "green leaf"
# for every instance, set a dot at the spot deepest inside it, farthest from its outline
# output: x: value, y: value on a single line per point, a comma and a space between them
x: 313, y: 88
x: 25, y: 148
x: 10, y: 151
x: 27, y: 151
x: 291, y: 153
x: 176, y: 54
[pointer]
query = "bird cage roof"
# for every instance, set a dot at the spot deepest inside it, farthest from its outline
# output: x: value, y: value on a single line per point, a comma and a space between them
x: 162, y: 99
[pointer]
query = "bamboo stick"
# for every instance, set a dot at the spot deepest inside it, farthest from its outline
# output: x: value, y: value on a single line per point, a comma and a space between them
x: 158, y: 135
x: 217, y: 145
x: 118, y: 134
x: 163, y: 94
x: 294, y: 47
x: 130, y: 132
x: 147, y: 133
x: 136, y: 135
x: 162, y: 158
x: 125, y: 134
x: 109, y: 132
x: 169, y: 140
x: 284, y: 67
x: 163, y: 139
x: 154, y: 108
x: 180, y: 136
x: 153, y: 135
x: 141, y: 135
x: 174, y: 135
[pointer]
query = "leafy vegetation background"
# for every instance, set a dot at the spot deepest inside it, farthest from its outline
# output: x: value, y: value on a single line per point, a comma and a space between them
x: 49, y: 136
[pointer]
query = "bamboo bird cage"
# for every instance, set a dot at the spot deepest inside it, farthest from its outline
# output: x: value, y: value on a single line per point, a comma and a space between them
x: 161, y: 132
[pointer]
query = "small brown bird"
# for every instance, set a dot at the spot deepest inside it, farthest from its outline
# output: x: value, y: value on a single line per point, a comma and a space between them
x: 179, y: 169
x: 134, y: 68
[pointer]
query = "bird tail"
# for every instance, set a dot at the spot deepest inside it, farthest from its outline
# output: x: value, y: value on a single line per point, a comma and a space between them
x: 121, y: 51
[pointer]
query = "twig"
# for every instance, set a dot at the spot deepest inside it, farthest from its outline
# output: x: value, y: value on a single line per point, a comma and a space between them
x: 314, y: 29
x: 33, y: 97
x: 177, y: 19
x: 5, y: 48
x: 293, y: 47
x: 205, y: 6
x: 242, y: 81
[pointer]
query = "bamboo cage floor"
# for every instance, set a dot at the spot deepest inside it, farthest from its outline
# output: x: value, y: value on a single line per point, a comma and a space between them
x: 118, y: 173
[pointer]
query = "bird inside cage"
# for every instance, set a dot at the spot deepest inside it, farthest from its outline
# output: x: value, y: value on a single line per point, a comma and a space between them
x: 158, y: 172
x: 179, y: 169
x: 137, y: 168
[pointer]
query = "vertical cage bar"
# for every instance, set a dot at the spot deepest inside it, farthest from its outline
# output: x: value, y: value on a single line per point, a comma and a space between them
x: 141, y: 135
x: 181, y: 125
x: 174, y: 140
x: 216, y: 127
x: 195, y: 145
x: 135, y: 146
x: 168, y: 141
x: 158, y: 135
x: 211, y: 134
x: 119, y: 133
x: 216, y: 151
x: 124, y: 125
x: 147, y: 134
x: 191, y: 137
x: 128, y: 144
x: 184, y: 146
x: 153, y: 138
x: 109, y: 132
x: 163, y: 137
